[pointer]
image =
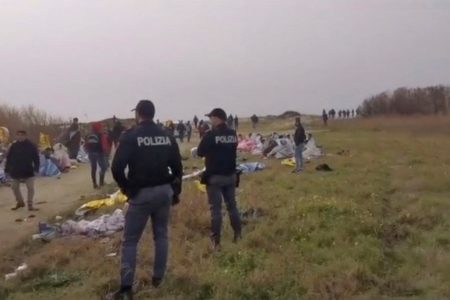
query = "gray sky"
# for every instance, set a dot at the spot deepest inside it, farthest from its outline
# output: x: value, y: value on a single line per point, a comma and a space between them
x: 93, y: 59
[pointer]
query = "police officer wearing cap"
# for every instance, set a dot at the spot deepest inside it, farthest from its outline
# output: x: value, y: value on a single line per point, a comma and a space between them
x: 219, y: 147
x: 153, y: 184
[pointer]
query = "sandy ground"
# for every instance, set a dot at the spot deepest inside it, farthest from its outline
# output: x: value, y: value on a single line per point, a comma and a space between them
x: 59, y: 195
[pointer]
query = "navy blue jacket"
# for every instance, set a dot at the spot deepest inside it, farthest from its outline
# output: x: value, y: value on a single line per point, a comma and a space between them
x: 152, y: 156
x: 219, y: 147
x: 22, y: 160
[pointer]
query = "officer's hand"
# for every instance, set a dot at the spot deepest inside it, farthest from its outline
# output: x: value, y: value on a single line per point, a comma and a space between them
x: 175, y: 200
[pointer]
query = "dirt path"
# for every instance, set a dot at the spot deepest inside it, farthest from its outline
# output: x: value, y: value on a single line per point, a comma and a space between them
x: 60, y: 195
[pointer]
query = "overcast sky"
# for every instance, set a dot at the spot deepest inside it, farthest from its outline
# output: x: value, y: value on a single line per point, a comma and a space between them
x: 93, y: 59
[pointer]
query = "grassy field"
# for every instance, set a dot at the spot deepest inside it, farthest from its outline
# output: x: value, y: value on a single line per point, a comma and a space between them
x: 377, y: 227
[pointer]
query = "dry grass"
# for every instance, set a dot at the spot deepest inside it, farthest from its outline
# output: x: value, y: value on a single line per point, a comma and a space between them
x: 375, y: 228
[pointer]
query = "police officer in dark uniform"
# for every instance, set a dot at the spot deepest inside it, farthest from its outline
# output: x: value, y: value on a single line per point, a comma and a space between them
x: 219, y: 148
x: 152, y: 184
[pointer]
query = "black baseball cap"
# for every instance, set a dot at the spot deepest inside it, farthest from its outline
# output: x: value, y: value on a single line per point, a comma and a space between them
x: 145, y: 108
x: 217, y: 112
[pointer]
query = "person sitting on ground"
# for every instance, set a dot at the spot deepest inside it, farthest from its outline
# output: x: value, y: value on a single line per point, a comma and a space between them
x: 22, y: 164
x: 284, y: 148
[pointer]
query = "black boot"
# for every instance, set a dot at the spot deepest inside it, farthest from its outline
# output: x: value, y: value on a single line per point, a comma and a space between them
x: 102, y: 179
x: 122, y: 294
x: 237, y: 237
x: 156, y: 282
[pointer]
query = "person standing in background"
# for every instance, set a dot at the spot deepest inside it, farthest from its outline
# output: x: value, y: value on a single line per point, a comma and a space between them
x: 94, y: 147
x: 299, y: 139
x: 22, y: 163
x: 74, y: 139
x: 189, y: 131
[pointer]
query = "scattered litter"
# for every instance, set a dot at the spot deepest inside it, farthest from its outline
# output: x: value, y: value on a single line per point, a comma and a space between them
x: 324, y: 167
x: 194, y: 174
x: 251, y: 214
x: 31, y: 216
x: 41, y: 202
x: 343, y: 152
x: 201, y: 187
x: 19, y: 269
x: 114, y: 254
x: 103, y: 225
x: 19, y: 220
x: 251, y: 167
x: 290, y: 162
x: 194, y: 152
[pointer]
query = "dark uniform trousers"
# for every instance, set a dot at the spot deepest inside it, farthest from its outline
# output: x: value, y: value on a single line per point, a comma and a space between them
x: 154, y: 203
x: 222, y: 187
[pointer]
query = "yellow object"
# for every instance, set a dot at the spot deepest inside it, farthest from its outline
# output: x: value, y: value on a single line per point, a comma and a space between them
x: 44, y: 141
x: 114, y: 199
x: 290, y: 162
x: 200, y: 187
x: 4, y: 135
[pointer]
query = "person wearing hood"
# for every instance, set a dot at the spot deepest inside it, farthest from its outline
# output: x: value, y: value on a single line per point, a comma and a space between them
x: 94, y: 146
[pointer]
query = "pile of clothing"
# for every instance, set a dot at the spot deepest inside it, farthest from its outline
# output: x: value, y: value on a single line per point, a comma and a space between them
x: 101, y: 226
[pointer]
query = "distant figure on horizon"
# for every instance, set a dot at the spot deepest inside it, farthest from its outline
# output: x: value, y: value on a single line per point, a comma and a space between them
x: 181, y: 131
x: 333, y: 113
x: 236, y: 123
x: 195, y: 120
x: 325, y: 117
x: 353, y: 113
x: 188, y: 131
x: 254, y: 120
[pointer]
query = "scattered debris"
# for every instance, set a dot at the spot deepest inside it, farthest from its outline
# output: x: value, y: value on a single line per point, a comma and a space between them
x: 113, y: 254
x: 251, y: 214
x: 251, y: 167
x: 324, y: 167
x: 114, y: 199
x: 343, y: 152
x: 19, y: 269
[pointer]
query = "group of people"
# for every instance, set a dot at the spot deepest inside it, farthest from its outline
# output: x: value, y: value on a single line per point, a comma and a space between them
x: 148, y: 169
x: 342, y: 114
x: 154, y: 185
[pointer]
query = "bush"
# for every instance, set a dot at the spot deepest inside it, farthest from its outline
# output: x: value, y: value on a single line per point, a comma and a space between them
x: 406, y: 101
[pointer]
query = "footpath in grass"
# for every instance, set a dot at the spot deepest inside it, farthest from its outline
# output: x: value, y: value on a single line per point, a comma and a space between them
x: 374, y: 228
